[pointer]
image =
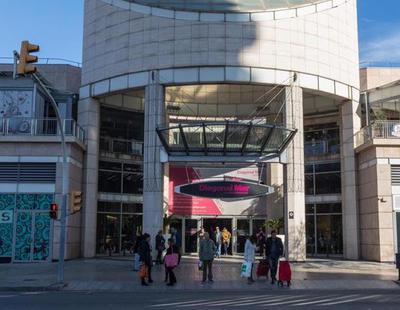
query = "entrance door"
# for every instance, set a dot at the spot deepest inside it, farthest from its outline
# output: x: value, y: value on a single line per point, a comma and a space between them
x: 190, y: 236
x: 32, y: 236
x: 242, y: 231
x: 209, y: 225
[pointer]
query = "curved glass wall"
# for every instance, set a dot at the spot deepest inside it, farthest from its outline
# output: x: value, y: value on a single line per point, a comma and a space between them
x: 225, y: 5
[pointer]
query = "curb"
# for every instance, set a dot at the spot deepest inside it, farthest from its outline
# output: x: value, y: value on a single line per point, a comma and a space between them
x: 49, y: 288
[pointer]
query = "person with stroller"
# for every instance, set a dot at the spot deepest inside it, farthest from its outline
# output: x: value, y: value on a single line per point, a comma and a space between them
x: 273, y: 251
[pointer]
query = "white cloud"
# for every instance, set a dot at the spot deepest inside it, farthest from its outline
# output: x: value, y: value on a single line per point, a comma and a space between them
x: 382, y: 49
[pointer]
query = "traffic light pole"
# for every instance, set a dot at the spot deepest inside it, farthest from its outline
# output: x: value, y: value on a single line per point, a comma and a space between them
x: 63, y: 218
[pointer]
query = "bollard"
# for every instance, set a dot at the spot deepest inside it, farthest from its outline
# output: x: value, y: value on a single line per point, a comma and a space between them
x: 398, y: 263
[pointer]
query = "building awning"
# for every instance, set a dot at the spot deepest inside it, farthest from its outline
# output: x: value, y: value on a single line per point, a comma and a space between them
x: 225, y: 139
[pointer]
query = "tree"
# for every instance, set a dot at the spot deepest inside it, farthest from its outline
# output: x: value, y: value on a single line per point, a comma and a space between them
x: 275, y: 224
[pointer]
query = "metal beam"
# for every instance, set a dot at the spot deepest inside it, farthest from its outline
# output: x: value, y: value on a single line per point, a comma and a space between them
x: 205, y: 139
x: 162, y: 139
x: 246, y: 139
x: 184, y: 139
x: 226, y: 136
x: 288, y: 140
x: 266, y: 140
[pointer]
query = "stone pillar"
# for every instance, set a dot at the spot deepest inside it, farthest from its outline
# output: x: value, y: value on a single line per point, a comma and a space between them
x: 350, y: 124
x: 294, y: 177
x: 152, y: 167
x: 89, y: 120
x: 275, y: 200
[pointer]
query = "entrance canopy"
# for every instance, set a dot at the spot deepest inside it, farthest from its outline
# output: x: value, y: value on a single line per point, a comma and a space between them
x: 225, y: 139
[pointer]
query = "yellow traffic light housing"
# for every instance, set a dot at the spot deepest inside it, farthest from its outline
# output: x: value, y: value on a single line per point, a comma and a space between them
x: 25, y: 58
x: 75, y: 201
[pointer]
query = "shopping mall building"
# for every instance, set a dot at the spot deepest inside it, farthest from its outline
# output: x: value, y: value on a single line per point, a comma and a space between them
x: 261, y: 92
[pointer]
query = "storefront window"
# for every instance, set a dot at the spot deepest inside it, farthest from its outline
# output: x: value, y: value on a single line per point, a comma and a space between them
x: 117, y: 227
x: 324, y: 229
x: 242, y: 231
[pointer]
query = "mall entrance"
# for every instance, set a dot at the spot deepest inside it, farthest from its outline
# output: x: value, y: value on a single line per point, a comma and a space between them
x: 210, y: 225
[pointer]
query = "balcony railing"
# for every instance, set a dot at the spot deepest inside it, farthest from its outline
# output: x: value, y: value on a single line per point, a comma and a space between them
x: 121, y: 146
x: 378, y: 130
x: 20, y: 126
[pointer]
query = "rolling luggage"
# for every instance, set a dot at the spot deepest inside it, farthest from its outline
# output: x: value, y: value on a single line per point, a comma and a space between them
x: 262, y: 268
x: 285, y: 273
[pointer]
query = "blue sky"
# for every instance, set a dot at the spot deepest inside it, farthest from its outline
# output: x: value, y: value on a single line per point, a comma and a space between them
x: 56, y: 25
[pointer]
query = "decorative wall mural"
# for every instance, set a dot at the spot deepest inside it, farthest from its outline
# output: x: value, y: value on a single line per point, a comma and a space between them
x: 16, y: 103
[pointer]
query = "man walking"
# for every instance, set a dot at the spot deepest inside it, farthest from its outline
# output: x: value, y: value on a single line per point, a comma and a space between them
x: 273, y: 250
x: 226, y: 240
x: 218, y: 240
x: 206, y: 254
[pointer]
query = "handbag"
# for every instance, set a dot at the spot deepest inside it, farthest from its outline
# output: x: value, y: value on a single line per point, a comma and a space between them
x: 246, y: 270
x: 143, y: 271
x: 171, y: 260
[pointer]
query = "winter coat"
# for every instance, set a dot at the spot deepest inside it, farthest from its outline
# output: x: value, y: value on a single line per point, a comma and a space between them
x: 268, y: 246
x: 144, y: 253
x: 207, y: 250
x: 249, y: 251
x: 226, y: 236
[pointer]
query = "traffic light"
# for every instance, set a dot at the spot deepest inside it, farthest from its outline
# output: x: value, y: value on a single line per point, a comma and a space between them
x: 75, y: 201
x: 53, y: 211
x: 25, y: 58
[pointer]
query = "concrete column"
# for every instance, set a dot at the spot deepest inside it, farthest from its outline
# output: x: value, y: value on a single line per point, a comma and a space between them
x: 89, y: 119
x: 275, y: 200
x: 152, y: 167
x: 350, y: 124
x: 294, y: 177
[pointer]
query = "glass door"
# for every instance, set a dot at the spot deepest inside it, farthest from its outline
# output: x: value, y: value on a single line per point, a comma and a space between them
x: 190, y: 236
x: 32, y: 236
x: 242, y: 231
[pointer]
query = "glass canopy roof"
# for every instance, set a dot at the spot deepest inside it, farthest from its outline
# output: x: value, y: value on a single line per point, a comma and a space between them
x: 225, y: 139
x: 225, y: 5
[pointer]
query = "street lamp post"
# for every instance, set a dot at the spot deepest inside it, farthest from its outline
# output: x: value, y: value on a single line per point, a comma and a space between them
x: 63, y: 218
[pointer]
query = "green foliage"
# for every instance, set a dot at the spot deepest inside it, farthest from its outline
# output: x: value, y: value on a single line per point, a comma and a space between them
x: 275, y: 224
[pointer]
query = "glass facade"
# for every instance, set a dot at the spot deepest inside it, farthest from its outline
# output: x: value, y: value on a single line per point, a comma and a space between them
x: 121, y: 173
x: 117, y: 226
x: 322, y: 178
x: 324, y: 229
x: 321, y: 141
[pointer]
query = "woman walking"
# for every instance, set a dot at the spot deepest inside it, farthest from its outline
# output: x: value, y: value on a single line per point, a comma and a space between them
x: 171, y: 260
x: 144, y: 252
x: 250, y: 255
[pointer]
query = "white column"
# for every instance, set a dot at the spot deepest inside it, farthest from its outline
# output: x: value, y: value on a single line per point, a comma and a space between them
x: 294, y: 177
x: 89, y: 120
x: 152, y: 167
x: 350, y: 124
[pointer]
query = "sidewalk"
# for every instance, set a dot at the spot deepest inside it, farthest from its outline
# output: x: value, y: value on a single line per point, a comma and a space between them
x: 116, y: 274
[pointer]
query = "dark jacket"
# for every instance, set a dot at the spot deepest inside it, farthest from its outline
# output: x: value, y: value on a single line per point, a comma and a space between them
x: 268, y: 246
x: 160, y: 243
x: 144, y: 252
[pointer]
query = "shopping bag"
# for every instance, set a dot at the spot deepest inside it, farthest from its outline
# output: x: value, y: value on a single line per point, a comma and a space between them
x: 246, y: 270
x: 171, y: 260
x: 143, y: 271
x: 136, y: 262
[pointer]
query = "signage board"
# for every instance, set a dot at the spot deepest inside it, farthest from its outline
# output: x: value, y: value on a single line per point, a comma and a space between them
x: 6, y: 216
x: 224, y: 189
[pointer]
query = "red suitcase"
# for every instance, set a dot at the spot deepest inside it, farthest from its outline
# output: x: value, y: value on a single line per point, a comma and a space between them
x: 263, y: 268
x: 285, y: 273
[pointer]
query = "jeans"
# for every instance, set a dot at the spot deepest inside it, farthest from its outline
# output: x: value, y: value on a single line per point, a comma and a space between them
x: 171, y: 275
x: 226, y: 246
x: 159, y: 256
x: 218, y: 251
x: 207, y: 268
x: 273, y: 265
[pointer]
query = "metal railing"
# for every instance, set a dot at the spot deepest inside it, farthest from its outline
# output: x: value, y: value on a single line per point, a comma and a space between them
x: 121, y: 146
x: 378, y: 130
x: 20, y: 126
